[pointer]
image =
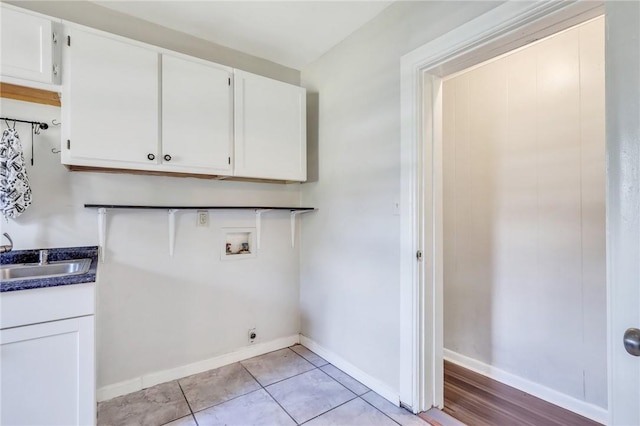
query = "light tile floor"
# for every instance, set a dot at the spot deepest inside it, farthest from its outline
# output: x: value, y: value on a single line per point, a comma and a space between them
x: 291, y: 386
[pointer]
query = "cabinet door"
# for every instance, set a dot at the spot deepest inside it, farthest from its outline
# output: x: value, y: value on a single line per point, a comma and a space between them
x: 270, y: 128
x: 47, y: 373
x: 110, y: 102
x: 26, y: 46
x: 196, y: 117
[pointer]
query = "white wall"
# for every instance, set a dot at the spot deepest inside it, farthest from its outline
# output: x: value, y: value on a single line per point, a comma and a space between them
x: 350, y: 290
x: 155, y: 312
x: 524, y: 213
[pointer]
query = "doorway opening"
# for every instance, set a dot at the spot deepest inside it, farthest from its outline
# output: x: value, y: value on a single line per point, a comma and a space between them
x: 502, y: 30
x: 524, y: 264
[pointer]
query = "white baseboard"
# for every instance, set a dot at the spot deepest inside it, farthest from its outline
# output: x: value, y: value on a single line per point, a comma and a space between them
x: 369, y: 381
x: 560, y: 399
x: 152, y: 379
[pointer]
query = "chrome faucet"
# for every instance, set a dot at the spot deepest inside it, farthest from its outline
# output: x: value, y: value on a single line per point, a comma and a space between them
x: 44, y: 257
x: 7, y: 247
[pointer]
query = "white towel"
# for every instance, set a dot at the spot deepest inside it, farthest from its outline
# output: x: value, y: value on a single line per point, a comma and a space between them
x: 15, y: 193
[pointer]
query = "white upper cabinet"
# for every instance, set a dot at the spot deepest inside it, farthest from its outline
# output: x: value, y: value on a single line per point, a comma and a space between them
x: 110, y: 102
x: 270, y: 129
x: 128, y: 105
x: 27, y: 46
x: 197, y: 120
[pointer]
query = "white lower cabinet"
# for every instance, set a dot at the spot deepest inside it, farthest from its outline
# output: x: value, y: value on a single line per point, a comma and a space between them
x: 47, y: 373
x: 47, y: 356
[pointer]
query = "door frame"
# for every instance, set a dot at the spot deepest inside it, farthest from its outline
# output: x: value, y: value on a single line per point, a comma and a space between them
x: 502, y: 29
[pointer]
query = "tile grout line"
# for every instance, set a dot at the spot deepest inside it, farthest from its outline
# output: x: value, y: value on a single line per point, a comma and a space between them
x: 284, y: 409
x: 193, y: 416
x: 319, y: 367
x: 356, y: 393
x: 340, y: 405
x: 356, y: 396
x: 330, y: 410
x: 340, y: 383
x: 271, y: 396
x: 224, y: 402
x: 316, y: 367
x: 237, y: 396
x: 264, y: 387
x: 282, y: 380
x: 246, y: 393
x: 295, y: 375
x: 308, y: 360
x: 392, y: 419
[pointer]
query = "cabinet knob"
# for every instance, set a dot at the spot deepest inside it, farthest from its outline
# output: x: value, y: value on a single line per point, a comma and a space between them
x: 167, y: 157
x: 151, y: 157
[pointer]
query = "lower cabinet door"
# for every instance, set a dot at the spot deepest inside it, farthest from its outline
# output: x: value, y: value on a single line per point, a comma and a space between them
x: 47, y: 373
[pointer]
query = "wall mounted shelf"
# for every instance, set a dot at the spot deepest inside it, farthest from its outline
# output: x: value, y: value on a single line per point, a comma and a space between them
x: 171, y: 211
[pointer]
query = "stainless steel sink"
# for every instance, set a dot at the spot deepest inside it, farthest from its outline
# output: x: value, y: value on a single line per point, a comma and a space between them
x: 25, y: 271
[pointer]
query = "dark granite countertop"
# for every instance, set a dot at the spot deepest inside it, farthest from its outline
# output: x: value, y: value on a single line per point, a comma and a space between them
x: 55, y: 254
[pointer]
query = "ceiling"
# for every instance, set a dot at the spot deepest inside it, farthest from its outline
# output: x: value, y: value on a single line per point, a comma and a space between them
x: 290, y: 33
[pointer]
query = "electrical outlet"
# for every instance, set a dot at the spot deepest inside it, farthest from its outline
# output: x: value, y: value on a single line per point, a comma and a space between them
x: 252, y: 335
x: 202, y: 218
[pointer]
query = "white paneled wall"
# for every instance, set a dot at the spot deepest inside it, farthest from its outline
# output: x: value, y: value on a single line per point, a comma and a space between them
x: 524, y: 153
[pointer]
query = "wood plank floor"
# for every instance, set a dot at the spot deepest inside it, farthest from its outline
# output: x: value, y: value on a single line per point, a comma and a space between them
x: 478, y: 400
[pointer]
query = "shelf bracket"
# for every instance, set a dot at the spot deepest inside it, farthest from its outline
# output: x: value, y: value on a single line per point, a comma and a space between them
x: 259, y: 224
x: 102, y: 232
x: 172, y: 230
x: 295, y: 213
x: 171, y: 211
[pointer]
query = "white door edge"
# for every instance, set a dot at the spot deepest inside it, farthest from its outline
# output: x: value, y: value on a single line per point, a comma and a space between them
x: 504, y: 28
x: 622, y: 71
